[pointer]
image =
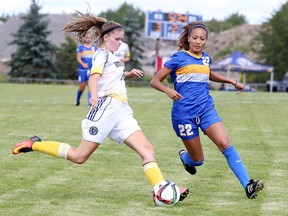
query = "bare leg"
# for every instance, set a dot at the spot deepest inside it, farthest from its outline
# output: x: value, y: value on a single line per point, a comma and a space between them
x: 218, y: 134
x: 82, y: 86
x: 80, y: 154
x: 194, y: 149
x: 139, y: 143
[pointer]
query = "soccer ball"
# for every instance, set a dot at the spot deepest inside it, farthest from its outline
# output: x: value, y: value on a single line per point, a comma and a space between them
x: 166, y: 193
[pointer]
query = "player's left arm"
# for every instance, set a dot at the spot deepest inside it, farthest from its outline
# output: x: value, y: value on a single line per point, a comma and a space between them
x: 222, y: 79
x: 134, y: 73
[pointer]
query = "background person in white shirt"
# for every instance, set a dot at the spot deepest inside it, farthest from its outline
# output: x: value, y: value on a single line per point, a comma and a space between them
x: 123, y: 53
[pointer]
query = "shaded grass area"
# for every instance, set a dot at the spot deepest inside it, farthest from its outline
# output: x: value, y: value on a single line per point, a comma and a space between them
x: 112, y: 182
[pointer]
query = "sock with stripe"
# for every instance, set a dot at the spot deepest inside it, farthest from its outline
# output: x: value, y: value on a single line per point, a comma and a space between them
x: 153, y: 173
x: 55, y: 149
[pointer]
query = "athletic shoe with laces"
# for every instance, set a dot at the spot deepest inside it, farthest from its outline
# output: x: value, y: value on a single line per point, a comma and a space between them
x: 183, y: 193
x: 25, y: 146
x: 253, y: 187
x: 190, y: 169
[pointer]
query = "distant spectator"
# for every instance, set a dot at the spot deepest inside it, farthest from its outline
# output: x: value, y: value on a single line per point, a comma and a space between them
x: 157, y: 46
x: 222, y: 87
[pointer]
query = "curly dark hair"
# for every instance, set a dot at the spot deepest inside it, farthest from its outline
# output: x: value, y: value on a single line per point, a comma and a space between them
x: 183, y: 39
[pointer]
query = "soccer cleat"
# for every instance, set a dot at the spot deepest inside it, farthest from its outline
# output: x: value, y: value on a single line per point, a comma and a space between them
x: 25, y: 146
x: 183, y: 193
x: 253, y: 187
x: 190, y: 169
x: 77, y: 103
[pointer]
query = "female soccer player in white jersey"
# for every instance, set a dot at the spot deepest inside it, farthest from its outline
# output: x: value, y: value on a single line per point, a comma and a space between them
x: 110, y: 114
x: 193, y: 107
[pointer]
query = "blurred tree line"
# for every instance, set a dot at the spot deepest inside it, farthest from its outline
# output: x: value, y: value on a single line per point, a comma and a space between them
x: 133, y: 21
x: 274, y: 36
x: 35, y: 57
x: 5, y: 17
x: 230, y: 22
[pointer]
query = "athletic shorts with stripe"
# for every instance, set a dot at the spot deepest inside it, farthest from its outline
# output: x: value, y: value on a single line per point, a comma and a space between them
x: 110, y: 118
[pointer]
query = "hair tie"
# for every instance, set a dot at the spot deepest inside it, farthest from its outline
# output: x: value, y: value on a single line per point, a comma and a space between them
x: 198, y: 26
x: 110, y: 29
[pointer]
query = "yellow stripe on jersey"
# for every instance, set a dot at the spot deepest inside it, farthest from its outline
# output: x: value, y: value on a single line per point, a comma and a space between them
x: 192, y: 54
x: 88, y: 52
x: 192, y: 69
x: 119, y: 97
x: 96, y: 69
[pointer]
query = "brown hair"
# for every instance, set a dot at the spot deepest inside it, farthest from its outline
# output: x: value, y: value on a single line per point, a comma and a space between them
x: 183, y: 39
x: 87, y: 23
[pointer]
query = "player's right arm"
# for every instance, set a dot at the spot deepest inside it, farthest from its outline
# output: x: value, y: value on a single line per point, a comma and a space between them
x: 93, y: 88
x: 156, y: 83
x: 100, y: 58
x: 79, y: 60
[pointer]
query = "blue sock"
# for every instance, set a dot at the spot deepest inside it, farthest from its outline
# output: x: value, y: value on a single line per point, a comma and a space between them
x: 79, y: 93
x: 89, y: 96
x: 187, y: 160
x: 235, y: 163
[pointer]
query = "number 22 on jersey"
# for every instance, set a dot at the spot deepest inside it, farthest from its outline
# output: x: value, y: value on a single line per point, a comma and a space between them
x: 185, y: 130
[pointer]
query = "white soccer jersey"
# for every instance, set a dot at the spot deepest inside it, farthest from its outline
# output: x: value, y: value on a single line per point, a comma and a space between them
x: 122, y: 51
x: 111, y: 82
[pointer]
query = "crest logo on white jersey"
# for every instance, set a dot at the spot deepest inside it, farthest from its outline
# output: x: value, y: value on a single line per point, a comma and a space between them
x: 93, y: 130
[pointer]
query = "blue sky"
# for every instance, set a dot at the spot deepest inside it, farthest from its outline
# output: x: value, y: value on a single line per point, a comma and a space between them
x: 256, y: 11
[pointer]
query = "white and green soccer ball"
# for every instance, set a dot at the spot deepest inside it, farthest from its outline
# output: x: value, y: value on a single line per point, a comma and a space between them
x: 166, y: 193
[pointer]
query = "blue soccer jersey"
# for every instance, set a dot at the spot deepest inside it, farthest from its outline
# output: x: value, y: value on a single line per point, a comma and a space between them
x: 190, y: 74
x: 86, y: 55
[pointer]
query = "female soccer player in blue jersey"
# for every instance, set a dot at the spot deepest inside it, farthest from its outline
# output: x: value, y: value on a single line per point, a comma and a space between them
x: 84, y: 55
x: 193, y: 107
x: 110, y: 114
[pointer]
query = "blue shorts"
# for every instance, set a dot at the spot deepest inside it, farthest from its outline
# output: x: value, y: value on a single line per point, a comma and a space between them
x: 188, y: 129
x: 83, y: 75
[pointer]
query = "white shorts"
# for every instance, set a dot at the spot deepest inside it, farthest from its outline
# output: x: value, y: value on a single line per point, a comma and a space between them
x: 111, y: 118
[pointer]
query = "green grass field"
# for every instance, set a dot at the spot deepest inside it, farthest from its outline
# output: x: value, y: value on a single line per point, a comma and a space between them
x: 112, y: 181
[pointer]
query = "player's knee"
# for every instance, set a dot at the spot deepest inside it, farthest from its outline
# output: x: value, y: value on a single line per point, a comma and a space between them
x: 79, y: 159
x: 224, y: 145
